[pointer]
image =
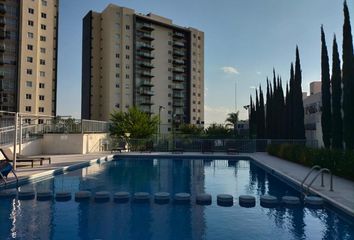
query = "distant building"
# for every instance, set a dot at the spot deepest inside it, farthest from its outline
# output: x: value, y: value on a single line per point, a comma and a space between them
x: 243, y: 128
x: 131, y: 59
x: 28, y: 56
x: 313, y: 111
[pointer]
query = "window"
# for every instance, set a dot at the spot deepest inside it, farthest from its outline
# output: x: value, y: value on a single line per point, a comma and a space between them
x: 44, y: 3
x: 41, y: 85
x: 127, y: 76
x: 127, y: 27
x: 30, y: 59
x: 42, y: 74
x: 30, y: 47
x: 28, y: 96
x: 40, y: 121
x: 29, y: 71
x: 42, y: 61
x: 127, y: 47
x: 43, y: 38
x: 28, y: 108
x: 127, y: 57
x: 43, y: 15
x: 41, y: 97
x: 31, y: 11
x: 43, y: 27
x: 127, y: 67
x: 41, y: 109
x: 117, y: 65
x: 117, y: 75
x: 43, y: 50
x: 117, y: 55
x: 30, y: 23
x: 28, y: 84
x: 30, y: 35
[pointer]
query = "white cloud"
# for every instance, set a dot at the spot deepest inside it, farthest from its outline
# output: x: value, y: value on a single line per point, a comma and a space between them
x: 230, y: 70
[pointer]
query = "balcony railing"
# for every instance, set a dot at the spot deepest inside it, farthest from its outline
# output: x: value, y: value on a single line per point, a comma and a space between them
x: 146, y: 55
x: 2, y: 21
x: 178, y: 53
x: 146, y: 65
x: 146, y: 92
x: 146, y: 102
x: 2, y: 8
x: 178, y: 103
x: 178, y: 79
x: 146, y: 26
x: 178, y: 62
x: 178, y: 70
x: 146, y: 83
x: 147, y: 36
x: 2, y: 48
x: 2, y: 74
x: 177, y: 86
x: 179, y: 44
x: 178, y: 35
x: 146, y: 46
x: 146, y: 74
x: 178, y: 95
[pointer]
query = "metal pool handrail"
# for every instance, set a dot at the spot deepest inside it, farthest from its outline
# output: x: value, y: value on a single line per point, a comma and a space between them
x: 316, y: 167
x: 322, y: 185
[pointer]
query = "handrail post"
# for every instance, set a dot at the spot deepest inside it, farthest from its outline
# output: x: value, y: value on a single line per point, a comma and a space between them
x: 331, y: 184
x: 15, y: 142
x: 322, y: 184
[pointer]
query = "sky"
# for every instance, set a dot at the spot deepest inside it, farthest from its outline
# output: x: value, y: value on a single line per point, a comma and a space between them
x: 244, y: 41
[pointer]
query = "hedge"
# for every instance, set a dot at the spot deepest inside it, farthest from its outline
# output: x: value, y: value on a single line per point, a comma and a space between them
x: 341, y: 163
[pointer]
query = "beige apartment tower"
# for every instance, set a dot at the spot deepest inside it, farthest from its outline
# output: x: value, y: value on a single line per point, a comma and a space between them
x: 146, y: 61
x: 28, y: 56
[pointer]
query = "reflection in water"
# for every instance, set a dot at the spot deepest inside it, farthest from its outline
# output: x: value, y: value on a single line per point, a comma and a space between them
x: 89, y: 220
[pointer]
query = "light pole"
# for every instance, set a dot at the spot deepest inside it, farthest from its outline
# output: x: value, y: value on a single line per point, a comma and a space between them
x: 235, y: 96
x: 160, y: 109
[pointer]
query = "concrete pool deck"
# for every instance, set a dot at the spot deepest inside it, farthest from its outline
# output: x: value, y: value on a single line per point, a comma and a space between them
x: 342, y: 197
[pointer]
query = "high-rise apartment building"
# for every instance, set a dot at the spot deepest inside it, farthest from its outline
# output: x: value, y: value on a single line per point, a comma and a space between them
x: 146, y: 61
x: 28, y: 56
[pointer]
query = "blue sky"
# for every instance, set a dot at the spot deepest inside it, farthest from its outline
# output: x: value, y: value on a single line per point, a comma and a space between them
x: 244, y: 40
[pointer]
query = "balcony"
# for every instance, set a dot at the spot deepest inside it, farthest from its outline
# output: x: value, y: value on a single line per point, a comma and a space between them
x: 146, y: 55
x: 178, y: 62
x: 178, y: 35
x: 147, y: 36
x: 2, y: 60
x: 146, y: 92
x: 146, y: 74
x: 2, y: 21
x: 146, y: 102
x: 146, y: 65
x: 146, y: 26
x: 146, y: 83
x: 178, y: 112
x: 145, y: 46
x: 3, y: 34
x: 178, y: 79
x: 178, y: 44
x: 2, y: 48
x: 177, y: 86
x: 178, y: 70
x: 2, y: 74
x: 178, y: 103
x: 2, y: 8
x: 178, y: 53
x: 178, y: 95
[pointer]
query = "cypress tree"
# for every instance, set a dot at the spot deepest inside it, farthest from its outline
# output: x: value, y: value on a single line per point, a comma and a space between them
x: 326, y: 93
x: 291, y: 103
x: 286, y: 114
x: 337, y: 125
x: 261, y: 120
x: 282, y: 122
x: 268, y: 112
x: 299, y: 125
x: 251, y: 119
x: 348, y: 81
x: 257, y: 125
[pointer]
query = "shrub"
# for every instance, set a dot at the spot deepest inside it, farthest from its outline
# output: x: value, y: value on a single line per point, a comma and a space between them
x: 341, y: 163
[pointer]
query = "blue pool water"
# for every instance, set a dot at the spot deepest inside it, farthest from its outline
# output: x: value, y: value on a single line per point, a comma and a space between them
x: 33, y: 219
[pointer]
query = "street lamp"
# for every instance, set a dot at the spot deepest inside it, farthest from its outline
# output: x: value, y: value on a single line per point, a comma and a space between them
x: 160, y: 109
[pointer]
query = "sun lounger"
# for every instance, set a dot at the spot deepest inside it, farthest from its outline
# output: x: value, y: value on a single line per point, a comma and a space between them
x: 121, y: 146
x: 5, y: 169
x: 8, y: 155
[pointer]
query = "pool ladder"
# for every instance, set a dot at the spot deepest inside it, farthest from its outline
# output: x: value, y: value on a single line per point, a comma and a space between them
x: 320, y: 172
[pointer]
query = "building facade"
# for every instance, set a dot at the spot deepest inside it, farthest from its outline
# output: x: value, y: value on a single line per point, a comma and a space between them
x: 28, y: 56
x: 313, y: 112
x: 146, y: 61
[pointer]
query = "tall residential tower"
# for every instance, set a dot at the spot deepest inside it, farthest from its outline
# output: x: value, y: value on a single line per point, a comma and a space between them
x: 28, y: 56
x: 146, y: 61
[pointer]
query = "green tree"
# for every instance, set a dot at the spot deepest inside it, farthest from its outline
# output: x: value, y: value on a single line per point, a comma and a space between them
x: 326, y: 93
x: 218, y: 130
x: 137, y: 123
x: 232, y: 120
x: 337, y: 124
x: 191, y: 129
x: 298, y: 107
x: 261, y: 115
x: 348, y: 81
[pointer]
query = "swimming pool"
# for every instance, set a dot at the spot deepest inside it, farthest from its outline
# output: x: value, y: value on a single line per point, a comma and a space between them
x: 32, y: 219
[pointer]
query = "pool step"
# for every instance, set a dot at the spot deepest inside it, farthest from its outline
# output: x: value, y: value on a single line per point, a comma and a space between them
x: 224, y: 200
